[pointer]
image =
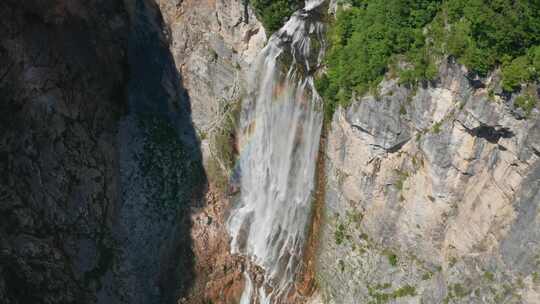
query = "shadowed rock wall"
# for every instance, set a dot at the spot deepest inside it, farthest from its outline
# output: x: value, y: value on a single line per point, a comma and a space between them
x: 99, y: 160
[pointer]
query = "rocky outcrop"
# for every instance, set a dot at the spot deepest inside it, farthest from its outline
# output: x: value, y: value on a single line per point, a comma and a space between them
x: 219, y: 275
x: 213, y: 43
x: 432, y: 196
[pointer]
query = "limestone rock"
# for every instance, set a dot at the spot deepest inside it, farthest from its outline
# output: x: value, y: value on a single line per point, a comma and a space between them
x: 432, y: 196
x: 213, y: 45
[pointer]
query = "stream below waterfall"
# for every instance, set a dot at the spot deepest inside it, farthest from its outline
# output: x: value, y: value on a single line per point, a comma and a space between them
x: 280, y: 128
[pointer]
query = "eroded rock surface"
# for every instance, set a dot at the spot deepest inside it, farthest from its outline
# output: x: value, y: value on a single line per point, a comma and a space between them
x: 213, y: 43
x: 432, y: 196
x: 99, y: 159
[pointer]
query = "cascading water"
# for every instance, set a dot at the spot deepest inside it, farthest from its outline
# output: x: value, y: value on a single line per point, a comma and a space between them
x: 280, y: 128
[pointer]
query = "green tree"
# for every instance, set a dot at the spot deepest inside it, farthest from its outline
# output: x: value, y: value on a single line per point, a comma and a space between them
x: 370, y: 36
x: 274, y: 13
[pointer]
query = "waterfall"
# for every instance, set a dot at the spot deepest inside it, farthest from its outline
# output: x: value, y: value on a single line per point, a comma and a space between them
x: 280, y: 127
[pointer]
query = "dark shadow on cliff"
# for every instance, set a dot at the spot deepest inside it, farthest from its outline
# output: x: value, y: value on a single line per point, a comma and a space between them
x: 62, y: 78
x: 169, y: 159
x: 94, y: 203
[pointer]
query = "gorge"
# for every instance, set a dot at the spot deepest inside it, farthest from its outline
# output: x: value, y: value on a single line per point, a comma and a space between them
x: 288, y: 151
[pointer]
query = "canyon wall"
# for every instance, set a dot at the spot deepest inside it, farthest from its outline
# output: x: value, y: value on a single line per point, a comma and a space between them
x: 100, y: 161
x: 62, y: 88
x: 432, y: 196
x: 102, y: 191
x: 213, y: 43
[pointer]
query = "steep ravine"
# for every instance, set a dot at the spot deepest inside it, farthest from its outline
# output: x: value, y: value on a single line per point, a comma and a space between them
x: 431, y: 194
x: 121, y: 171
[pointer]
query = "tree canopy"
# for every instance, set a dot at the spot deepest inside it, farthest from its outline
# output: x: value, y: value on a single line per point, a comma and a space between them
x: 369, y: 37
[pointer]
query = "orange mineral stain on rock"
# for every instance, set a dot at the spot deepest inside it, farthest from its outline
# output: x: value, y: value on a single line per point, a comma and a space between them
x: 219, y: 275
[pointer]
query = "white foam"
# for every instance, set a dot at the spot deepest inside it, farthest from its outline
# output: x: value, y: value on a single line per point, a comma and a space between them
x: 280, y: 128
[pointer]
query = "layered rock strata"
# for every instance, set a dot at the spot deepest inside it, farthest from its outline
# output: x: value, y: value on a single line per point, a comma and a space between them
x: 432, y: 196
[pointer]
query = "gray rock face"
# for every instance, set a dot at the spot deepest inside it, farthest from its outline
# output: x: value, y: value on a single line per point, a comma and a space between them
x: 213, y: 45
x: 432, y: 196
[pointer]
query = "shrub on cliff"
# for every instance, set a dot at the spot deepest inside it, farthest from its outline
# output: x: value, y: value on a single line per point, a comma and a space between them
x: 274, y: 13
x: 521, y: 70
x: 363, y: 39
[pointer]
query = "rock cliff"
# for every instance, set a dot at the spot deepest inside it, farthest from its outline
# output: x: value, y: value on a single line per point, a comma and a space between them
x: 102, y: 191
x: 100, y: 163
x: 213, y: 43
x: 432, y: 196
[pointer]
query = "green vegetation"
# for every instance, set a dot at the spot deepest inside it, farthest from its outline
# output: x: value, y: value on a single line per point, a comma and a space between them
x: 486, y: 33
x: 223, y: 160
x: 363, y: 40
x: 392, y: 258
x: 172, y: 175
x: 381, y: 297
x: 355, y: 216
x: 426, y: 276
x: 405, y: 291
x: 526, y: 103
x: 522, y: 69
x: 402, y: 177
x: 402, y: 110
x: 457, y: 291
x: 274, y: 13
x: 339, y: 234
x: 382, y: 286
x: 536, y: 277
x: 437, y: 127
x: 489, y: 276
x: 409, y: 37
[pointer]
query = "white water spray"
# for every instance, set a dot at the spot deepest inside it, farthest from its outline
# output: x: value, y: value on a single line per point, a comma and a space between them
x: 280, y: 128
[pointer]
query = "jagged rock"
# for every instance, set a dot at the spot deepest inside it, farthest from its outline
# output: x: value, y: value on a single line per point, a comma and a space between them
x: 213, y: 45
x: 434, y: 203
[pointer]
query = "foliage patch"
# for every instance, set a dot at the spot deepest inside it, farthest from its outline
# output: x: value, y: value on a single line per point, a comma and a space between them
x: 409, y: 37
x: 274, y: 13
